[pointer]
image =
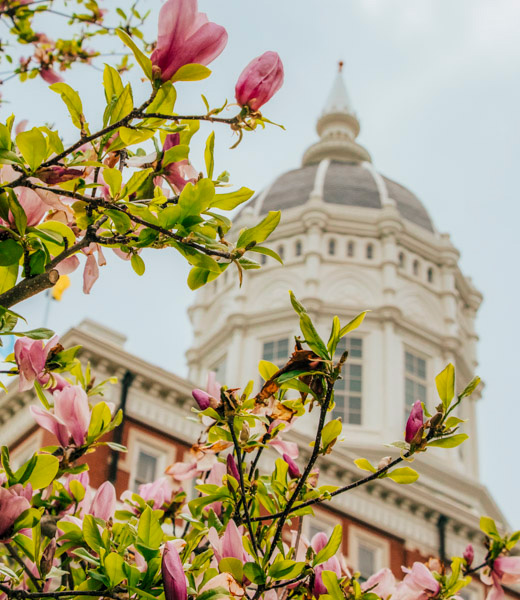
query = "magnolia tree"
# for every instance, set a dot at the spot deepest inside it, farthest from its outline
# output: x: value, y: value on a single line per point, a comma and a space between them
x: 241, y: 536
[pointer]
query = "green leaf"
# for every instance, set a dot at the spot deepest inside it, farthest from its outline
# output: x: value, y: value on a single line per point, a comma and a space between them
x: 195, y: 199
x: 403, y: 475
x: 91, y: 533
x: 231, y: 200
x: 334, y: 336
x: 299, y: 308
x: 331, y: 547
x: 267, y: 252
x: 254, y: 573
x: 27, y: 520
x: 114, y: 568
x: 8, y: 277
x: 114, y: 180
x: 33, y: 146
x: 198, y: 277
x: 354, y: 324
x: 99, y: 420
x: 60, y: 232
x: 5, y: 137
x: 470, y: 388
x: 364, y: 465
x: 19, y: 216
x: 137, y: 264
x: 286, y: 569
x: 136, y: 181
x: 267, y: 369
x: 445, y: 382
x: 453, y: 422
x: 330, y: 581
x: 73, y: 102
x: 123, y: 106
x: 121, y: 220
x: 112, y: 83
x: 449, y: 442
x: 39, y: 471
x: 330, y: 433
x: 487, y: 525
x: 314, y: 341
x: 191, y: 72
x: 175, y: 154
x: 209, y: 158
x: 259, y: 233
x: 233, y: 566
x: 10, y: 252
x: 144, y: 62
x: 149, y: 530
x: 35, y: 334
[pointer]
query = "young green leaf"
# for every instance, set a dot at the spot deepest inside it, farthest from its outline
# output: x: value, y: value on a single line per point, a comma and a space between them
x: 144, y: 62
x: 33, y: 146
x: 403, y: 475
x: 330, y: 433
x: 330, y: 548
x: 209, y: 158
x: 231, y: 200
x: 137, y: 264
x: 364, y: 465
x: 449, y: 442
x: 72, y: 101
x: 445, y: 382
x: 354, y: 324
x: 191, y: 72
x: 259, y: 233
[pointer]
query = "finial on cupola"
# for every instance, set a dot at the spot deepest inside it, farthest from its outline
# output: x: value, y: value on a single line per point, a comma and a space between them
x: 340, y: 66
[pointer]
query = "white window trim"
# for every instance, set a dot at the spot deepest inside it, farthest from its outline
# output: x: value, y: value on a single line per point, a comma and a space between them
x: 427, y: 359
x: 324, y: 521
x: 359, y: 361
x: 381, y: 547
x: 137, y: 441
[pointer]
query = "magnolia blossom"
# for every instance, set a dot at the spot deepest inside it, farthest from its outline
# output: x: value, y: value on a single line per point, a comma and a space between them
x: 290, y: 449
x: 469, y: 554
x: 294, y: 471
x: 415, y: 421
x: 158, y: 492
x: 505, y: 570
x: 71, y: 416
x: 226, y: 581
x: 31, y: 356
x: 418, y: 584
x: 91, y: 272
x: 179, y: 173
x: 104, y: 502
x: 230, y: 544
x: 174, y: 580
x: 232, y: 468
x: 185, y: 36
x: 259, y: 81
x: 318, y: 542
x: 381, y: 583
x: 215, y: 478
x: 12, y: 505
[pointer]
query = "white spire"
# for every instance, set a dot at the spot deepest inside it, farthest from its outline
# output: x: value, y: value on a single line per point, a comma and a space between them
x: 338, y: 100
x: 338, y: 128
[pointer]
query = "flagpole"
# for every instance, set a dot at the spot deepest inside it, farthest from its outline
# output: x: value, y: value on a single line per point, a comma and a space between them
x: 47, y: 308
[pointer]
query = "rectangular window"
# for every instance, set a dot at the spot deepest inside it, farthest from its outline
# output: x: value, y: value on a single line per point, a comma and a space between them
x: 366, y: 560
x: 220, y: 371
x: 368, y: 552
x: 348, y: 390
x: 415, y: 380
x: 146, y: 469
x: 276, y: 351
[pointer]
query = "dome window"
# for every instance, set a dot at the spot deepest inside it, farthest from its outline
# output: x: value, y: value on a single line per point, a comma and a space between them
x: 370, y: 251
x: 402, y: 260
x: 298, y: 248
x: 280, y: 251
x: 430, y: 275
x: 416, y: 267
x: 350, y: 249
x: 332, y: 246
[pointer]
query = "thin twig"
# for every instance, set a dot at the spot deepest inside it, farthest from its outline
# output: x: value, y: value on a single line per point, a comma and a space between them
x: 13, y: 552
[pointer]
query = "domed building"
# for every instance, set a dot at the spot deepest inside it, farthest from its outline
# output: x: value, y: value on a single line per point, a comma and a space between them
x: 351, y: 239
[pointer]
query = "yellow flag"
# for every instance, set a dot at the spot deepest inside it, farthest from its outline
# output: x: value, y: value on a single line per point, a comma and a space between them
x: 61, y: 285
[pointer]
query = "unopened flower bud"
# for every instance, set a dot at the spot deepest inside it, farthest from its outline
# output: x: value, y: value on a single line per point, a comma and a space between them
x: 47, y: 558
x: 415, y: 422
x: 435, y: 420
x: 469, y: 555
x: 384, y: 462
x: 244, y: 433
x: 232, y: 468
x: 259, y: 81
x: 202, y: 398
x: 48, y: 526
x: 294, y: 471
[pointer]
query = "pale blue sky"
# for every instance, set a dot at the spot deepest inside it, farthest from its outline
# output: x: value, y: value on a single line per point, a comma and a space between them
x: 435, y: 85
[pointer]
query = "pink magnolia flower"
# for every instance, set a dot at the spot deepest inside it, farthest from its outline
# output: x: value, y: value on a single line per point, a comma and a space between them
x: 469, y: 555
x: 71, y: 416
x: 174, y: 579
x: 288, y: 448
x: 381, y: 583
x: 505, y: 570
x: 58, y: 174
x: 67, y: 266
x: 232, y: 468
x: 91, y: 272
x: 31, y: 356
x: 230, y: 545
x: 50, y: 76
x: 104, y: 502
x: 259, y: 81
x: 418, y: 584
x: 318, y: 542
x: 12, y: 505
x: 159, y: 492
x: 226, y: 581
x: 179, y: 173
x: 415, y: 422
x: 185, y: 36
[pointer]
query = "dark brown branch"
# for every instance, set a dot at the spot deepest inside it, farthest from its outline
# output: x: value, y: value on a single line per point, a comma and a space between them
x: 242, y: 486
x: 13, y: 552
x: 23, y: 594
x: 28, y: 288
x: 210, y: 118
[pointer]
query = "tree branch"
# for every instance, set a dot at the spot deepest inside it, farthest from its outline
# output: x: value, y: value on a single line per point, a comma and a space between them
x: 23, y: 594
x: 13, y: 552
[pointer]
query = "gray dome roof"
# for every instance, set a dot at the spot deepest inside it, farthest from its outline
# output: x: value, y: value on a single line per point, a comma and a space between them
x: 347, y: 184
